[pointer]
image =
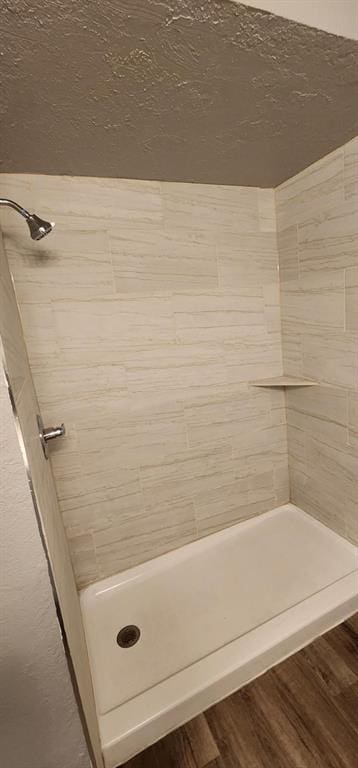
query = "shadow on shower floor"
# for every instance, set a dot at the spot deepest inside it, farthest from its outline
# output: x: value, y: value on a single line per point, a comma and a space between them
x: 301, y: 714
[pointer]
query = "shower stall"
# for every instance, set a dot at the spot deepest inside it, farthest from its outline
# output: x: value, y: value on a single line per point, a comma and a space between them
x: 198, y: 345
x: 180, y: 363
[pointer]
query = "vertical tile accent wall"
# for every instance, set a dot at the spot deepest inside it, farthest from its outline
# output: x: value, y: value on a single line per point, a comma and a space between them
x: 13, y: 350
x: 146, y: 314
x: 317, y: 217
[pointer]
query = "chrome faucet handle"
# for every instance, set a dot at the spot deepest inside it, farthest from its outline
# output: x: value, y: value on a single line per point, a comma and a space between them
x: 48, y: 433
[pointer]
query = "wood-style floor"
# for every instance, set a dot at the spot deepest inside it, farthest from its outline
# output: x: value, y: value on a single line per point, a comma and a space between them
x: 301, y: 714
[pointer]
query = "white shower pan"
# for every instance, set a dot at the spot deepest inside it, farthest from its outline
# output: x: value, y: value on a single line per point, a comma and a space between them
x: 212, y: 616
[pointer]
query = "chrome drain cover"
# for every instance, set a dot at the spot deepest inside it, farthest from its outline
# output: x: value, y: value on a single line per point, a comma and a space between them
x: 128, y: 636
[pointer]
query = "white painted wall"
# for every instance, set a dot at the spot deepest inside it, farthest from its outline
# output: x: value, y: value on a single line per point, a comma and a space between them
x: 39, y: 721
x: 337, y: 16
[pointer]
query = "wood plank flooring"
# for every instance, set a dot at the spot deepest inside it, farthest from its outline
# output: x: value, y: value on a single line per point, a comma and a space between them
x: 301, y: 714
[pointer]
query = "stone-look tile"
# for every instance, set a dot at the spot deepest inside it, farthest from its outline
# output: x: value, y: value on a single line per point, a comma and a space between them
x: 15, y: 355
x: 317, y: 299
x: 320, y: 412
x: 266, y: 446
x: 168, y: 527
x: 65, y: 460
x: 352, y: 298
x: 183, y: 475
x: 267, y: 210
x: 40, y: 335
x: 246, y: 262
x: 330, y: 357
x: 332, y: 483
x: 231, y: 410
x: 351, y: 168
x: 175, y: 367
x: 281, y: 483
x: 102, y: 331
x: 88, y: 197
x: 212, y: 318
x: 320, y: 335
x: 103, y: 389
x: 239, y: 500
x: 13, y: 351
x: 99, y: 498
x: 210, y: 208
x: 289, y: 291
x: 288, y: 255
x: 263, y: 451
x: 253, y: 357
x: 353, y: 418
x: 150, y: 260
x: 296, y: 440
x: 146, y: 314
x: 75, y: 263
x: 291, y: 346
x: 132, y: 440
x: 329, y: 240
x: 310, y: 192
x: 313, y: 497
x: 83, y: 558
x: 278, y: 412
x: 272, y: 308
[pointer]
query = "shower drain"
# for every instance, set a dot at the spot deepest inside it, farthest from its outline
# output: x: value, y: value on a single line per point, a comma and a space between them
x: 128, y: 636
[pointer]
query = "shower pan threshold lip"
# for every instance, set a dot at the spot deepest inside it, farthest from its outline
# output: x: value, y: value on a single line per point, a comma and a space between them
x: 147, y: 716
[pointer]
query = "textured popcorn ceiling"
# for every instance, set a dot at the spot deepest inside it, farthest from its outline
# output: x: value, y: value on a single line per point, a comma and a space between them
x: 211, y: 91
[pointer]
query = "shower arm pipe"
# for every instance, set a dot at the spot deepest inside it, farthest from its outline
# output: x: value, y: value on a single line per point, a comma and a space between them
x: 16, y: 206
x: 38, y: 227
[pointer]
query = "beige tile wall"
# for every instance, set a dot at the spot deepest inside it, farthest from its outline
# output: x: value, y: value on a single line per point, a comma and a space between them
x: 13, y: 355
x: 317, y: 217
x: 146, y: 314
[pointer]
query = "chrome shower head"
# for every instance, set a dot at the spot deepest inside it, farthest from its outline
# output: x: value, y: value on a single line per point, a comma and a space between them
x: 39, y: 228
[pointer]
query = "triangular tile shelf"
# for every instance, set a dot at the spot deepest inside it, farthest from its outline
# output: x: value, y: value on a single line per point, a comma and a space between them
x: 284, y: 381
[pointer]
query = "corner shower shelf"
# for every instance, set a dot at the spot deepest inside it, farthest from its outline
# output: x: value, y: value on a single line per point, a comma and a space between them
x: 284, y: 381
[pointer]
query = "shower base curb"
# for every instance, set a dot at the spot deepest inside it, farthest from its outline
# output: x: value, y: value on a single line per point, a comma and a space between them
x: 147, y: 717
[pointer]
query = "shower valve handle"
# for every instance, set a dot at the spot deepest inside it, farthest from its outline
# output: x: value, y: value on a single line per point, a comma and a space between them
x: 48, y: 433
